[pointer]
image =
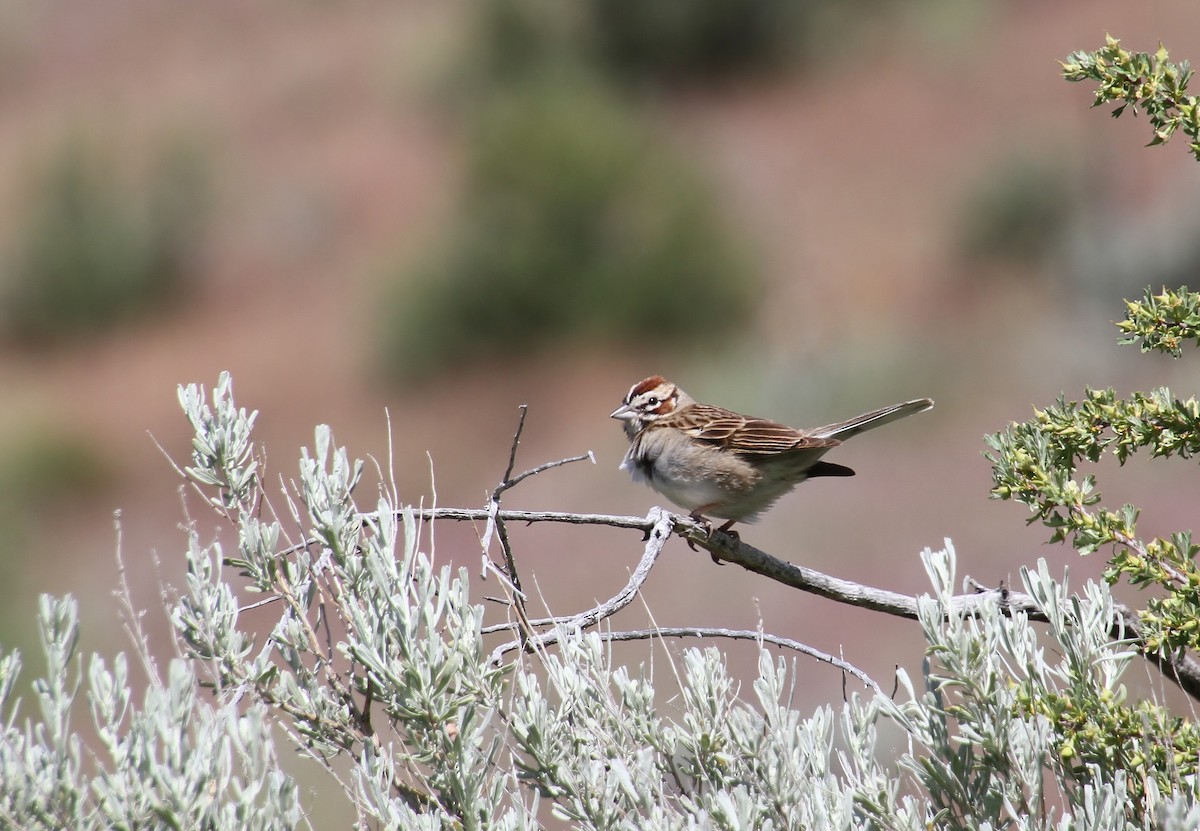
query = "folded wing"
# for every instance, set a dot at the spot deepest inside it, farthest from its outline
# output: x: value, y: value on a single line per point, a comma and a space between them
x: 747, y: 435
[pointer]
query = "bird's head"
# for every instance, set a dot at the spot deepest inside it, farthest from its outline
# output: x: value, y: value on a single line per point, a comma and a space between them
x: 648, y: 401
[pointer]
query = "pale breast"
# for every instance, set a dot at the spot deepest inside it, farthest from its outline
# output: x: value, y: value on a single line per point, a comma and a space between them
x: 691, y: 475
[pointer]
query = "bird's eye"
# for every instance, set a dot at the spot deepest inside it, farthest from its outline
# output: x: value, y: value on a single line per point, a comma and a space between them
x: 652, y: 401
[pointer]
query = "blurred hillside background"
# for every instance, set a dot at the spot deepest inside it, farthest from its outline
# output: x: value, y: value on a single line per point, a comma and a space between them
x: 446, y: 210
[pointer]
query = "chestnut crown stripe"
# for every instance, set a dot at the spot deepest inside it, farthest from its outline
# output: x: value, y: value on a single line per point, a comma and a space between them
x: 653, y: 382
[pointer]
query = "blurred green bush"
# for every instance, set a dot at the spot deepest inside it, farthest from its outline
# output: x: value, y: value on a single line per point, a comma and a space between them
x: 41, y: 463
x: 669, y: 40
x: 1018, y: 211
x: 43, y: 470
x: 574, y: 223
x: 46, y: 472
x: 666, y: 41
x: 97, y: 246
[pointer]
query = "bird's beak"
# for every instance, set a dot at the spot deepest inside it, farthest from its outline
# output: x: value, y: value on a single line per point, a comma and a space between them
x: 624, y: 412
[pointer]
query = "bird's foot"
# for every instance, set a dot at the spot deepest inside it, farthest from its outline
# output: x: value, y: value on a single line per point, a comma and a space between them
x: 709, y: 530
x: 727, y: 528
x: 702, y: 520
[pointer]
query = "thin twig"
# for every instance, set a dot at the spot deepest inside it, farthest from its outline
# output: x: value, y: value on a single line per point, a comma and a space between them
x: 705, y: 632
x: 131, y: 618
x: 660, y: 532
x: 534, y: 471
x: 512, y: 453
x: 264, y: 602
x: 1177, y: 577
x: 210, y: 501
x: 493, y: 505
x: 496, y: 525
x: 746, y: 635
x: 476, y: 514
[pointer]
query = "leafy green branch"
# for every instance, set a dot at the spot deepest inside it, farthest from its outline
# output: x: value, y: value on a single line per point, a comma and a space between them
x: 1037, y: 464
x: 1163, y: 322
x: 1141, y: 81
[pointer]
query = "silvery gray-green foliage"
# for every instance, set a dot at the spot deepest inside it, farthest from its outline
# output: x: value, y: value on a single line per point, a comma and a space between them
x: 987, y: 761
x: 372, y: 651
x: 174, y: 760
x: 595, y: 742
x: 376, y: 651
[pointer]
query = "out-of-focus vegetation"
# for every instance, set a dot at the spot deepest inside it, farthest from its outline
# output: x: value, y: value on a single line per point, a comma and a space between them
x: 1018, y: 211
x: 41, y: 466
x: 1037, y: 217
x: 575, y: 223
x: 575, y: 220
x: 701, y: 39
x: 41, y: 462
x: 671, y: 41
x: 100, y: 244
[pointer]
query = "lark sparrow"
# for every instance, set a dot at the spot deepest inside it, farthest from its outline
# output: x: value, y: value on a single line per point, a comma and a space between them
x: 711, y: 461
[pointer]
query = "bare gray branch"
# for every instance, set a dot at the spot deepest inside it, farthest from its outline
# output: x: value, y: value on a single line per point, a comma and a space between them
x: 1181, y: 669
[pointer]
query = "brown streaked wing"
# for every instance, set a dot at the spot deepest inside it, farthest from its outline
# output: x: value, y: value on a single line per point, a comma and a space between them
x: 743, y: 434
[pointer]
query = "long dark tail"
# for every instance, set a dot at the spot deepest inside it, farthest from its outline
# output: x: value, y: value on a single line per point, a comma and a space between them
x: 869, y: 421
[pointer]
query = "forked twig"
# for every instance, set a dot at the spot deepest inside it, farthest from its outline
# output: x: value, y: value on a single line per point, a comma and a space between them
x: 534, y: 471
x: 495, y: 526
x: 657, y: 537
